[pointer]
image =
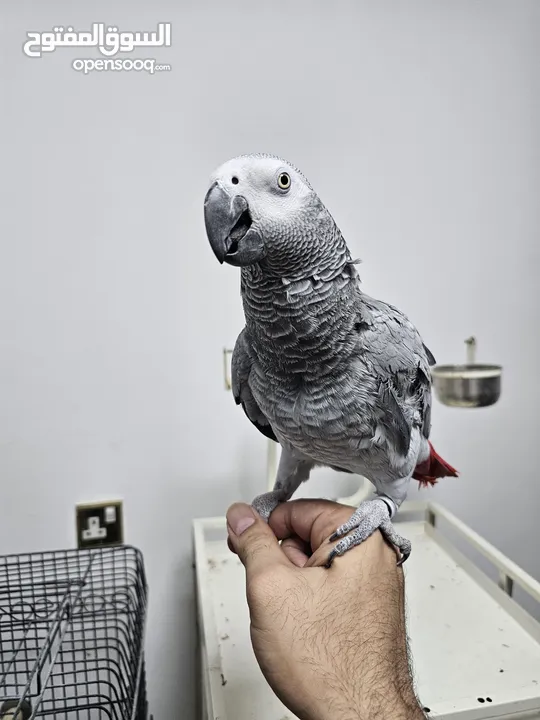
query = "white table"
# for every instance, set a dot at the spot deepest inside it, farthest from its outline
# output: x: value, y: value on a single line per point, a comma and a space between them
x: 475, y: 651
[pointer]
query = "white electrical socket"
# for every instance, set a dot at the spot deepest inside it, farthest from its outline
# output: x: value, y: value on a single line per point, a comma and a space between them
x: 99, y: 524
x: 94, y: 531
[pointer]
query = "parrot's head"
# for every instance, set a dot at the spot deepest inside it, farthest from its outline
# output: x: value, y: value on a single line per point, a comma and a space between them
x: 261, y: 209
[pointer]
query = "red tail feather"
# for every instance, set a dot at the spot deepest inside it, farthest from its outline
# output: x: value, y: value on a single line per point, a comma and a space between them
x: 433, y: 468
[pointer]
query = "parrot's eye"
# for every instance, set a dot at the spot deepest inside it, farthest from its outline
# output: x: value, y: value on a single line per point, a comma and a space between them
x: 284, y: 181
x: 234, y: 180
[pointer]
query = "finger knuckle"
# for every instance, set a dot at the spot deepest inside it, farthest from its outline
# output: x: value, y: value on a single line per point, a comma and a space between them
x: 266, y: 583
x: 254, y: 549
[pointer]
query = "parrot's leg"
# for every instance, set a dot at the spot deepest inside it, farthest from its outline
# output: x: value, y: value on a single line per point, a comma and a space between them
x: 293, y: 470
x: 371, y: 515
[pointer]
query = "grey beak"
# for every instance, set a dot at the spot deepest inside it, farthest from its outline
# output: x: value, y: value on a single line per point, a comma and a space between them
x: 221, y: 213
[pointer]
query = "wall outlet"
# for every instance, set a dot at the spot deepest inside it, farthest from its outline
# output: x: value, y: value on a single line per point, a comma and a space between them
x: 99, y: 524
x: 94, y: 531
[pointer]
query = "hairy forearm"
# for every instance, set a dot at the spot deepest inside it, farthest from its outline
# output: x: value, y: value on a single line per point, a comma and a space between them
x: 380, y: 703
x: 385, y: 691
x: 332, y: 642
x: 363, y: 667
x: 374, y: 672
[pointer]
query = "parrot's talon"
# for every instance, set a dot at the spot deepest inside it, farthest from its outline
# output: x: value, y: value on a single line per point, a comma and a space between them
x: 371, y: 515
x: 404, y: 556
x: 334, y: 553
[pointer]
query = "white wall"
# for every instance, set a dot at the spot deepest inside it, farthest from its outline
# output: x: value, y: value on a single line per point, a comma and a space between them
x: 418, y: 124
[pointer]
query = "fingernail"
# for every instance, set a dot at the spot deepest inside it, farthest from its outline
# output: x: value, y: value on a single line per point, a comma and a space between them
x: 239, y: 518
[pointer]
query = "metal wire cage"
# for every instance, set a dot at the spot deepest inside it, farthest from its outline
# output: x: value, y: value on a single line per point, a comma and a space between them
x: 72, y: 635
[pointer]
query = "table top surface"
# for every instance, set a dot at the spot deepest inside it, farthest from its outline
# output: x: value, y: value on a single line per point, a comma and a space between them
x: 471, y: 658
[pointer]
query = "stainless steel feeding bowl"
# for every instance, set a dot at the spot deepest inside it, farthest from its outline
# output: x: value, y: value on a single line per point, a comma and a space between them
x: 467, y: 386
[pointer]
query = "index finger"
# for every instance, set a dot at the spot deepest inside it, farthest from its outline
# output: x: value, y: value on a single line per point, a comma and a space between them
x: 311, y: 520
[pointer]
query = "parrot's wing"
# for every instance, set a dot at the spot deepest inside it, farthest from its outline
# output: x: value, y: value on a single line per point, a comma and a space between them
x: 390, y: 343
x: 430, y: 357
x: 241, y: 363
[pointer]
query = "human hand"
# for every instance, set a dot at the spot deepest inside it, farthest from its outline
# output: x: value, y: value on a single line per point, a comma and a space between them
x: 330, y: 642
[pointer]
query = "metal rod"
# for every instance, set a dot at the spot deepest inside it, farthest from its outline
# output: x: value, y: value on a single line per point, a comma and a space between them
x: 364, y: 489
x: 271, y: 464
x: 57, y: 633
x: 226, y: 373
x: 471, y: 350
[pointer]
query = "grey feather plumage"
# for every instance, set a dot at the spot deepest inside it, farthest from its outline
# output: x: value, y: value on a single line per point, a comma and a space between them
x: 337, y: 377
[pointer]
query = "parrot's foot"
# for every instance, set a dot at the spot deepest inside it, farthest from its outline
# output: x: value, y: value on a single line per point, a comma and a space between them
x: 371, y: 515
x: 266, y: 503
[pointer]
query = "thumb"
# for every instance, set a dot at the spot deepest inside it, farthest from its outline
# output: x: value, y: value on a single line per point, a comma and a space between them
x: 252, y: 539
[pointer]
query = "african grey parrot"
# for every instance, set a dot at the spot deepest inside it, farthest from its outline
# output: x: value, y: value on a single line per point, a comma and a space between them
x: 338, y: 378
